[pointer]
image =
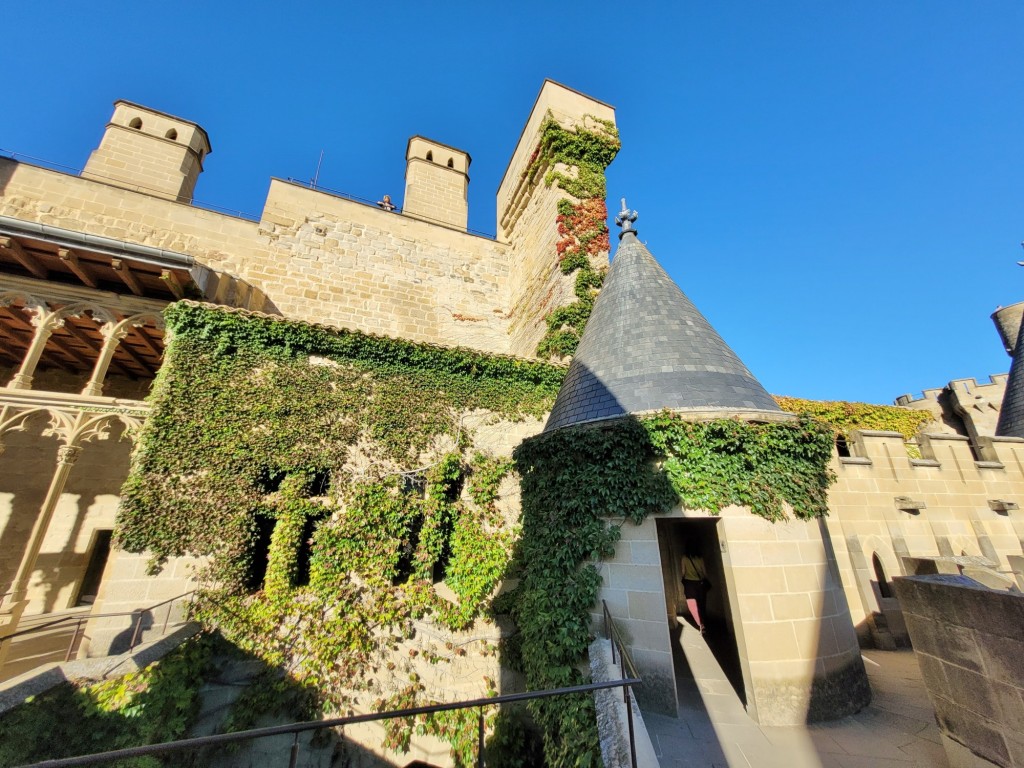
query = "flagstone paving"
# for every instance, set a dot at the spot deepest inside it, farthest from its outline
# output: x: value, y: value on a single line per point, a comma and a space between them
x: 897, y: 730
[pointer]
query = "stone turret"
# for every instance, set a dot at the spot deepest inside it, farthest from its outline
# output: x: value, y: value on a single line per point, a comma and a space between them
x: 1011, y: 415
x: 150, y: 151
x: 647, y: 348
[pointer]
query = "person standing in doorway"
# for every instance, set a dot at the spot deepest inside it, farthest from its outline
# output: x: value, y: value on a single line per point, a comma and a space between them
x: 695, y: 582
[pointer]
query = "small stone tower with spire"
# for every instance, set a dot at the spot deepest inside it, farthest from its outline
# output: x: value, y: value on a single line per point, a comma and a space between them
x: 1011, y: 415
x: 647, y: 349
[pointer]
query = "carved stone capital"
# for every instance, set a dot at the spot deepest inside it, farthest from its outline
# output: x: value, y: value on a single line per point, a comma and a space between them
x: 67, y: 455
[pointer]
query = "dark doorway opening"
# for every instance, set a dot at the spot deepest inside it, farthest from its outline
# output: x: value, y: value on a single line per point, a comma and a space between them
x: 98, y: 554
x: 675, y: 537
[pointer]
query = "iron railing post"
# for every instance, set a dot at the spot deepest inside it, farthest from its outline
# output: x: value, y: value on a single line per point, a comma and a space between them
x: 138, y: 628
x: 74, y: 637
x: 294, y: 759
x: 629, y: 724
x: 480, y: 738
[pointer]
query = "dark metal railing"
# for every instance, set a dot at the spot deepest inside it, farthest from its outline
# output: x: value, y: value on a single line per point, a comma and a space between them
x: 315, y: 725
x: 625, y: 663
x: 80, y: 621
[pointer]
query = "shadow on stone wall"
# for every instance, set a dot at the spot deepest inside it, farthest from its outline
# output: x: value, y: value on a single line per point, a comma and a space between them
x: 969, y: 642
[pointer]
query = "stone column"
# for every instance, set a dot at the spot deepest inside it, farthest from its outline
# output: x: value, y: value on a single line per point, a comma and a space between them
x: 46, y: 323
x: 112, y: 336
x: 67, y: 455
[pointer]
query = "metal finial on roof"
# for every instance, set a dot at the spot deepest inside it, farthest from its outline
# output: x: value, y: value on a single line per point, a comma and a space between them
x: 625, y: 218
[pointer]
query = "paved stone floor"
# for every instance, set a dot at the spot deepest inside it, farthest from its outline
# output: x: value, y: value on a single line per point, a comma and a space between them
x: 897, y: 730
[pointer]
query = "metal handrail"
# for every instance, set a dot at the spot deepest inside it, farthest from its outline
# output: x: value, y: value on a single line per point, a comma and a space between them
x: 624, y: 661
x: 80, y: 620
x: 314, y: 725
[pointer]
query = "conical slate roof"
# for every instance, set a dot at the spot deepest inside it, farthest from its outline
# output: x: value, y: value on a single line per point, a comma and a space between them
x: 1011, y: 415
x: 646, y: 347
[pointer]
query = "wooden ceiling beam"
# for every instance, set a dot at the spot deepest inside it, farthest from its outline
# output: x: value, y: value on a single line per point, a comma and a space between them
x: 124, y: 271
x: 70, y: 352
x: 157, y: 349
x: 70, y: 258
x: 139, y: 360
x: 12, y: 341
x: 13, y: 247
x: 173, y: 284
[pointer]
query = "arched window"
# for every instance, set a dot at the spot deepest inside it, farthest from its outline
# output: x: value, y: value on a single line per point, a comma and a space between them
x: 451, y: 163
x: 884, y: 587
x: 430, y: 156
x: 136, y: 123
x: 171, y: 134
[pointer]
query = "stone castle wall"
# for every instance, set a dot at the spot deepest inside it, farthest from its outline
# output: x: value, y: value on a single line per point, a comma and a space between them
x: 888, y: 504
x: 317, y: 257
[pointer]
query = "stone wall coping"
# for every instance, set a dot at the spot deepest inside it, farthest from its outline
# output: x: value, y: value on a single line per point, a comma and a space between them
x: 925, y: 463
x: 13, y: 692
x: 343, y: 198
x: 611, y: 715
x: 861, y: 460
x: 878, y: 433
x: 951, y: 438
x: 989, y: 465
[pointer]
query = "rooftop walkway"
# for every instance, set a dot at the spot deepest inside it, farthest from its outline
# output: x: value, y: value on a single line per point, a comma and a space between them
x: 897, y: 730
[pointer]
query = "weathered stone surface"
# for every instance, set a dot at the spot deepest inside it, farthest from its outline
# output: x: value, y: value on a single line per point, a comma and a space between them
x: 646, y: 347
x: 972, y: 661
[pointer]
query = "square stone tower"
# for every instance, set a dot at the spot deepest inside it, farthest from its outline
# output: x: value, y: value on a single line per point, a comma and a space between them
x: 436, y: 183
x: 150, y: 152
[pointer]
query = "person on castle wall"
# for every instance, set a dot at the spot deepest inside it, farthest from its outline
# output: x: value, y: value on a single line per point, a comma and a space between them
x: 695, y: 583
x: 386, y: 203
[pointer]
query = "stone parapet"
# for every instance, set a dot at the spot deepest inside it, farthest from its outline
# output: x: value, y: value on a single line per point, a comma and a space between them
x: 969, y: 646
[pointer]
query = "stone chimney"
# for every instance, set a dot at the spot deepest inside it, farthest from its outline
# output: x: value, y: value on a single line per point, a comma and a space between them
x: 150, y: 152
x: 436, y: 183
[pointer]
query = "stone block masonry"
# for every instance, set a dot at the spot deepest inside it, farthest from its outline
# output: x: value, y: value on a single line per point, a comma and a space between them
x: 957, y: 519
x: 969, y: 644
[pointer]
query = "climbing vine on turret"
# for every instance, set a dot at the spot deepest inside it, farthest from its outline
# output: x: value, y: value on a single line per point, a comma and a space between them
x: 576, y: 159
x: 581, y: 485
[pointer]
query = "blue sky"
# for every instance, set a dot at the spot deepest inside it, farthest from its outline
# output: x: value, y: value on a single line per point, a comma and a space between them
x: 838, y: 186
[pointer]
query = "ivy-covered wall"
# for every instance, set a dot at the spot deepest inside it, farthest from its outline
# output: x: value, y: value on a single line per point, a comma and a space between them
x: 332, y: 480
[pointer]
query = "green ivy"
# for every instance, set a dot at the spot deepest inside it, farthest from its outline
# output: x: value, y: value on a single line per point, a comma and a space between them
x: 582, y: 228
x: 258, y: 422
x: 844, y: 417
x: 579, y: 485
x: 153, y: 705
